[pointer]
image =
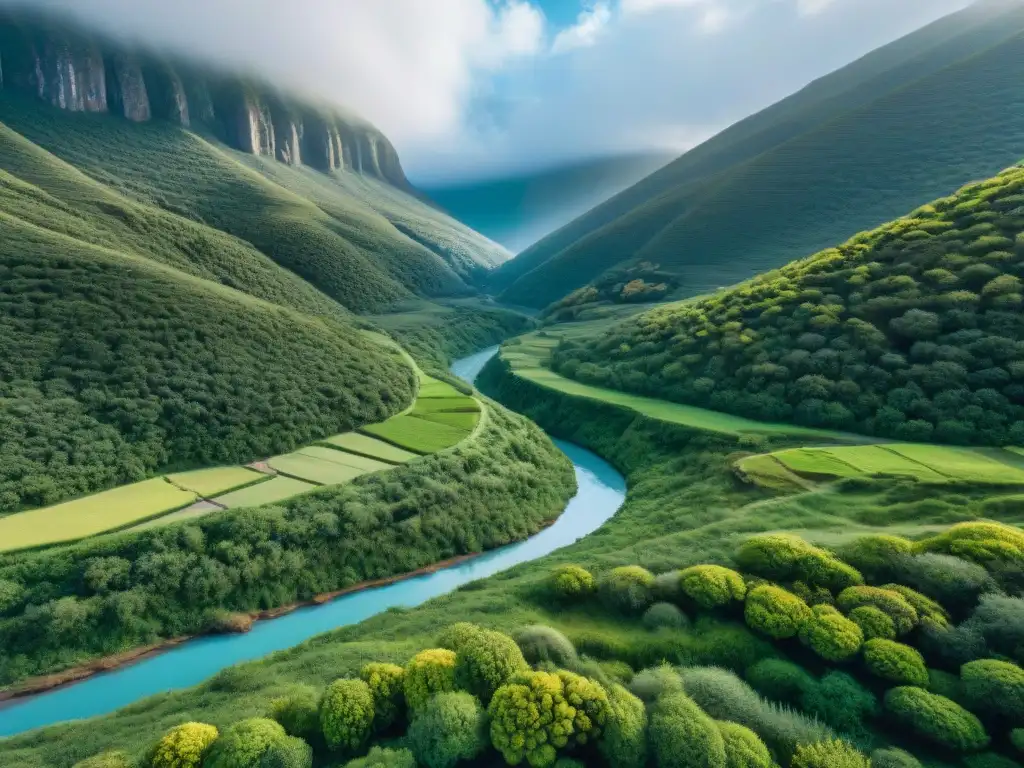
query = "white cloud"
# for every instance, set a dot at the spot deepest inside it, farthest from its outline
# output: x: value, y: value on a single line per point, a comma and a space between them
x: 810, y: 7
x: 646, y: 6
x: 589, y: 26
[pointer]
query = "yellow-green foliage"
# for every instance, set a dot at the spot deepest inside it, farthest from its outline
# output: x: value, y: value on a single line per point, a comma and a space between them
x: 572, y: 582
x: 994, y: 687
x: 683, y: 736
x: 780, y: 557
x: 428, y: 672
x: 454, y: 635
x: 485, y: 661
x: 379, y: 757
x: 530, y: 719
x: 624, y: 743
x: 450, y: 728
x: 831, y: 635
x: 184, y: 746
x: 106, y: 760
x: 876, y: 556
x: 346, y: 715
x: 829, y: 754
x: 984, y: 543
x: 712, y: 586
x: 895, y: 662
x: 743, y: 747
x: 893, y: 604
x: 386, y: 686
x: 291, y: 752
x: 873, y: 622
x: 627, y: 589
x: 936, y: 718
x: 775, y: 612
x: 590, y: 701
x: 243, y: 744
x: 928, y: 611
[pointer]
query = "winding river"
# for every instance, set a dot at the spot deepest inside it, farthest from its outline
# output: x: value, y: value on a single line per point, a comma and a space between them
x: 601, y: 492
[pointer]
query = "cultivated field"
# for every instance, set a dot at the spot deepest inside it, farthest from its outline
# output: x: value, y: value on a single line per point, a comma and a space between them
x: 274, y: 490
x: 313, y: 469
x: 416, y: 434
x: 210, y: 482
x: 337, y: 456
x: 364, y: 445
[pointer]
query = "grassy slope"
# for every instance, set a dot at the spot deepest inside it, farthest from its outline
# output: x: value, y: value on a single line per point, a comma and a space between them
x: 731, y: 208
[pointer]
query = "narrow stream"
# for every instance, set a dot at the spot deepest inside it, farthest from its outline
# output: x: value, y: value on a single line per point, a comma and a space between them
x: 601, y: 492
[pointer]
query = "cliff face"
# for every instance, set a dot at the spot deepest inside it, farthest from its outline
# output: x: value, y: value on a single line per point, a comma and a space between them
x: 74, y: 70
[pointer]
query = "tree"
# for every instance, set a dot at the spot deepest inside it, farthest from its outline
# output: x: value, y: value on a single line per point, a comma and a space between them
x: 386, y: 683
x: 292, y: 752
x: 346, y: 715
x: 530, y: 719
x: 428, y: 672
x: 485, y: 662
x: 244, y: 744
x: 449, y: 728
x: 185, y: 746
x: 298, y: 713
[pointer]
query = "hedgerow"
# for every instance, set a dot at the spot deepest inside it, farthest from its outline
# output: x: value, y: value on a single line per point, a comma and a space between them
x: 936, y: 718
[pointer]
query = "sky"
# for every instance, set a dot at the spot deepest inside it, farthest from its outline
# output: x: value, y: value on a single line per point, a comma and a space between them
x: 486, y: 88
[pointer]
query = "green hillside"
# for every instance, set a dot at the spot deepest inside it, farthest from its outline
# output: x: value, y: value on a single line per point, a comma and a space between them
x: 848, y: 152
x: 913, y: 330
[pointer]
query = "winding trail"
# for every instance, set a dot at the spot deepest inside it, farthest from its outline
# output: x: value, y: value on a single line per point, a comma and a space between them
x: 601, y: 492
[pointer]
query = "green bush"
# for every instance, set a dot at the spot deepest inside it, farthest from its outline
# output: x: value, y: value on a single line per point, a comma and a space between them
x: 955, y: 583
x: 450, y: 727
x: 712, y: 586
x: 841, y: 702
x: 780, y: 557
x: 928, y: 611
x: 243, y: 744
x: 873, y: 622
x: 650, y: 684
x: 346, y: 715
x: 780, y: 680
x: 428, y: 672
x: 590, y: 701
x: 829, y: 754
x: 892, y: 604
x: 293, y: 752
x: 540, y: 643
x: 936, y: 719
x: 485, y: 662
x: 299, y: 712
x: 999, y: 619
x: 893, y: 758
x: 386, y: 683
x: 106, y: 760
x: 989, y: 760
x: 994, y: 688
x: 895, y: 662
x: 722, y: 694
x: 667, y: 587
x: 184, y: 746
x: 454, y: 635
x: 946, y: 684
x: 784, y: 729
x: 877, y: 557
x: 572, y: 583
x: 831, y: 635
x: 743, y: 747
x: 1017, y: 739
x: 624, y: 743
x: 379, y: 757
x: 775, y: 612
x: 530, y: 719
x: 986, y: 543
x: 627, y: 589
x: 683, y: 736
x: 664, y: 616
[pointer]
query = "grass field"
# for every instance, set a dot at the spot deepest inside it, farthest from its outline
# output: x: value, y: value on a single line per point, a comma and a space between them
x: 769, y: 472
x: 191, y: 512
x: 337, y: 456
x: 814, y: 462
x: 364, y: 445
x: 460, y: 404
x: 961, y: 464
x: 91, y: 515
x: 217, y: 480
x: 416, y: 434
x: 458, y: 419
x: 273, y: 490
x: 314, y: 469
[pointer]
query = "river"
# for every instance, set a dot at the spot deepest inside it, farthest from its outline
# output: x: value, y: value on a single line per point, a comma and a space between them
x: 601, y: 492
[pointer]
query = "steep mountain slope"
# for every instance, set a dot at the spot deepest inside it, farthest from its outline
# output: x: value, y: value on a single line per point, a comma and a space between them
x: 857, y: 147
x: 913, y: 330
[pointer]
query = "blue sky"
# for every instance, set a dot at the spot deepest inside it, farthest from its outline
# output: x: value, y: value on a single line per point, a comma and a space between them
x: 484, y: 88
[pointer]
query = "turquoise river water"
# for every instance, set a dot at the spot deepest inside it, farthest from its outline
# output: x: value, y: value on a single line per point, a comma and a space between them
x: 601, y: 492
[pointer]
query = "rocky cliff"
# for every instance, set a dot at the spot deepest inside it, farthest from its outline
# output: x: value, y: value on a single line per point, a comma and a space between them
x: 78, y: 71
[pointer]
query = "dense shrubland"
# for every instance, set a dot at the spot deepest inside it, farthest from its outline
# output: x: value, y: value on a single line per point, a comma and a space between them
x: 636, y: 284
x: 912, y: 331
x: 70, y: 603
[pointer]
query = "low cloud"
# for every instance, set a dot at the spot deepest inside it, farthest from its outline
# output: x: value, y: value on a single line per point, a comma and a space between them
x: 589, y: 26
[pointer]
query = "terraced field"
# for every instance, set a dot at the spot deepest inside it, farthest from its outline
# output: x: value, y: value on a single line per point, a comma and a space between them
x: 364, y: 445
x: 216, y: 480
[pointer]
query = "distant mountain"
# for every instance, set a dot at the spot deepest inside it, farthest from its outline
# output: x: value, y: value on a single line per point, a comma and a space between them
x: 902, y: 125
x: 517, y: 211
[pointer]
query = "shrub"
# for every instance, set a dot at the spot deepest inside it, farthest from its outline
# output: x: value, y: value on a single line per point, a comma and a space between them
x: 624, y: 744
x: 292, y: 752
x: 572, y: 583
x: 454, y: 635
x: 831, y: 635
x: 784, y: 729
x: 839, y: 700
x: 873, y: 622
x: 428, y: 672
x: 712, y: 586
x: 895, y: 662
x: 1000, y: 621
x: 541, y: 643
x: 243, y: 744
x: 627, y: 589
x: 994, y: 688
x: 946, y: 684
x: 667, y: 587
x: 989, y: 760
x: 106, y: 760
x: 780, y: 680
x: 877, y: 557
x: 1017, y: 739
x: 664, y: 616
x: 380, y: 757
x: 891, y: 757
x: 955, y: 583
x: 985, y: 543
x: 346, y: 715
x: 386, y: 683
x: 829, y: 754
x: 775, y: 612
x: 928, y: 611
x: 936, y: 719
x: 743, y: 747
x: 299, y: 712
x: 485, y: 662
x: 779, y: 557
x: 649, y: 685
x: 722, y: 694
x: 683, y: 736
x: 530, y: 719
x: 450, y: 727
x: 892, y: 604
x: 184, y: 746
x: 590, y: 701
